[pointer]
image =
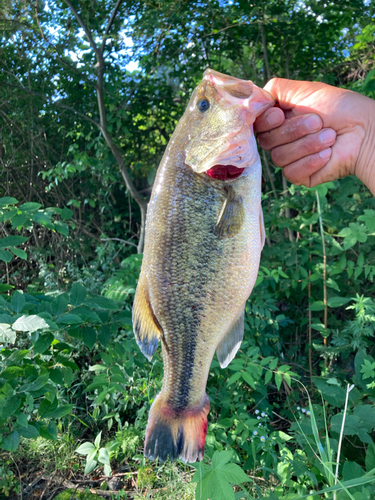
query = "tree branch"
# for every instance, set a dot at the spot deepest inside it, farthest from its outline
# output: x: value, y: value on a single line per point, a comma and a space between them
x: 85, y: 28
x: 110, y: 23
x: 119, y: 239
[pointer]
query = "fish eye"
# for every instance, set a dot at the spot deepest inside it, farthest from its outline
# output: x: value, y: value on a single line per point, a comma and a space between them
x: 203, y: 105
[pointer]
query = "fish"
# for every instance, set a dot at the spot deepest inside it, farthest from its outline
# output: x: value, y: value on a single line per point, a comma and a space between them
x: 204, y: 236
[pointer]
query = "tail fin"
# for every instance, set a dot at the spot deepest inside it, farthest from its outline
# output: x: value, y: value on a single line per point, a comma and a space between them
x: 176, y: 433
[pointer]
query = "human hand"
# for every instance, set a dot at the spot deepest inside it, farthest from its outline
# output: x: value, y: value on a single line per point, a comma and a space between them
x: 319, y: 133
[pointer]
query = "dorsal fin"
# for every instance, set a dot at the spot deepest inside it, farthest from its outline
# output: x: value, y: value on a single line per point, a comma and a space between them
x: 230, y: 343
x: 147, y: 329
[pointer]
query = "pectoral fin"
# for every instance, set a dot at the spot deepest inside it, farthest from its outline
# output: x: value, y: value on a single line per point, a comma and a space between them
x: 146, y: 327
x: 230, y: 343
x: 262, y: 228
x: 231, y: 217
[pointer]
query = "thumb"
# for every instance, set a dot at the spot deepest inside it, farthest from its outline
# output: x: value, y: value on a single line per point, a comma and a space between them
x: 291, y: 93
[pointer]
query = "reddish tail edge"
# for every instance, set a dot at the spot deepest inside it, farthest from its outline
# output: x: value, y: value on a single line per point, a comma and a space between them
x: 176, y: 433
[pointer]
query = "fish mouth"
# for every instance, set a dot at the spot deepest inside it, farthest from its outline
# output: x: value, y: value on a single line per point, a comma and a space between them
x: 224, y: 172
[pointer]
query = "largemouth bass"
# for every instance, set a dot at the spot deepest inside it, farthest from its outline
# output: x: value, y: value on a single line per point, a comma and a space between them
x: 204, y: 236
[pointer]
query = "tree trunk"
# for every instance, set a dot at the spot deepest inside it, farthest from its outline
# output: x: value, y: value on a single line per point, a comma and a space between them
x: 142, y: 203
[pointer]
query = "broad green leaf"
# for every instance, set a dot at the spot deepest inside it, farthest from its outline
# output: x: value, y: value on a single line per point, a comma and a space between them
x: 59, y: 412
x: 48, y: 431
x: 61, y: 227
x: 69, y: 319
x: 17, y: 301
x: 45, y: 406
x: 249, y: 379
x: 85, y: 448
x: 6, y: 256
x: 19, y: 220
x: 283, y: 368
x: 59, y: 304
x: 30, y: 207
x: 338, y: 301
x: 104, y: 335
x: 221, y: 489
x: 98, y: 439
x: 273, y: 363
x: 43, y: 219
x: 10, y: 443
x: 103, y: 457
x: 22, y: 420
x: 101, y: 303
x: 18, y: 252
x: 7, y: 200
x: 278, y: 380
x: 317, y: 306
x: 12, y: 241
x: 77, y: 294
x: 29, y: 432
x: 29, y: 323
x: 12, y: 372
x: 11, y: 405
x: 43, y: 343
x: 352, y: 470
x: 268, y: 376
x: 370, y: 457
x: 7, y: 334
x: 66, y: 214
x: 107, y: 470
x: 40, y: 382
x: 234, y: 474
x: 90, y: 465
x: 220, y: 458
x: 234, y: 378
x: 56, y: 375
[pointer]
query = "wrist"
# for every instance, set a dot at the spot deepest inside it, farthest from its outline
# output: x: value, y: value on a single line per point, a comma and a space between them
x: 365, y: 166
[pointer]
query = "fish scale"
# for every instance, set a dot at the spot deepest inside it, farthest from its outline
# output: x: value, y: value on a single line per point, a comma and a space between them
x: 202, y: 249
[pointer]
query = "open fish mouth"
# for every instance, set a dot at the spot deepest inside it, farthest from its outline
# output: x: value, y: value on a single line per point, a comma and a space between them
x: 224, y: 172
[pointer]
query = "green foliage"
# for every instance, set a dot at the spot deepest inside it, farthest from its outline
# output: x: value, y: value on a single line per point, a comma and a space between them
x: 26, y: 217
x: 8, y: 482
x: 68, y: 360
x: 46, y: 330
x: 94, y: 455
x: 215, y: 480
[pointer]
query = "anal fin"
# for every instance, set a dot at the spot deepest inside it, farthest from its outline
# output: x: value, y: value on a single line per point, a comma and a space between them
x: 231, y: 217
x: 146, y: 327
x: 230, y: 343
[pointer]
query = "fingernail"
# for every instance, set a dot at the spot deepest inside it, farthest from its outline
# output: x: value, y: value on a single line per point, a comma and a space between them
x: 313, y: 123
x: 326, y: 153
x: 327, y: 136
x: 273, y: 119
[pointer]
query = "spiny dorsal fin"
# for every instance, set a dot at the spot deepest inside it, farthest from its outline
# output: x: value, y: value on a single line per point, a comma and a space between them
x: 230, y: 343
x: 231, y: 217
x: 147, y: 329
